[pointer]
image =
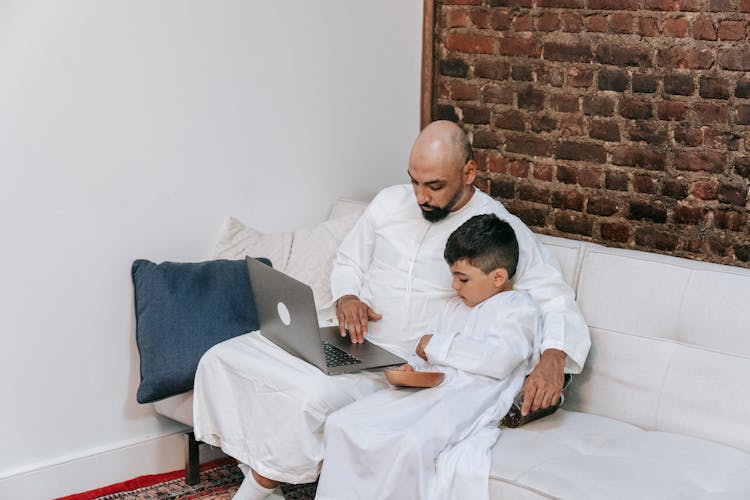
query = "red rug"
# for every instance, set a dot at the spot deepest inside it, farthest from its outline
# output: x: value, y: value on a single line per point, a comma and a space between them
x: 219, y: 481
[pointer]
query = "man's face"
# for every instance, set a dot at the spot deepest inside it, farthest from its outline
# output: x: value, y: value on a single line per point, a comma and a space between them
x: 437, y: 189
x: 472, y: 284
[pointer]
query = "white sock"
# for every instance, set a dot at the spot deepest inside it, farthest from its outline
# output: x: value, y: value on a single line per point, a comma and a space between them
x: 244, y: 468
x: 251, y: 490
x: 277, y: 494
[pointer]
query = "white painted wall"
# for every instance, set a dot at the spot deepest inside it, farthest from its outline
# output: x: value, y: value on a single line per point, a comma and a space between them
x: 132, y: 129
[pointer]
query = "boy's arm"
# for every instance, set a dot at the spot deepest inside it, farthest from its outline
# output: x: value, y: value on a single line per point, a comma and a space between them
x: 497, y: 352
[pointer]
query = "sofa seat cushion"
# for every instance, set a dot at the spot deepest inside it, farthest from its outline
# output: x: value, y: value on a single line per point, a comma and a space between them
x: 178, y: 407
x: 583, y: 456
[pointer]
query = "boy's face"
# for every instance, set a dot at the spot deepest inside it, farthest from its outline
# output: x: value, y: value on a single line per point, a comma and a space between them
x: 473, y: 285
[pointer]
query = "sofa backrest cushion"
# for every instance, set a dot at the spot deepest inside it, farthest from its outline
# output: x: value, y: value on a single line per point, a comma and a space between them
x: 674, y: 298
x: 631, y: 293
x: 622, y: 377
x: 705, y: 394
x: 664, y: 385
x: 669, y: 343
x: 567, y: 253
x: 715, y: 311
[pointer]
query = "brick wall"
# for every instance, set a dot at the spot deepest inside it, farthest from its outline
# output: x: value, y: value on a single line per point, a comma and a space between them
x: 625, y: 122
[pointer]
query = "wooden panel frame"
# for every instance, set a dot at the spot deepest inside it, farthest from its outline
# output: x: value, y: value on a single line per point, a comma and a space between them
x: 428, y: 63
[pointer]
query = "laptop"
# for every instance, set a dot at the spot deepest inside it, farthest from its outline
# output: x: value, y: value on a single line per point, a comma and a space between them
x: 287, y: 317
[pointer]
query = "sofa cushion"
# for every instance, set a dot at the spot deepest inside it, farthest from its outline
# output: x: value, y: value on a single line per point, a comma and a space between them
x: 715, y: 309
x: 622, y: 377
x: 675, y: 298
x: 576, y: 455
x: 567, y: 253
x: 237, y: 241
x: 659, y: 325
x: 305, y: 254
x: 181, y: 310
x: 178, y: 407
x: 660, y: 384
x: 706, y: 394
x: 312, y: 254
x: 347, y: 206
x: 614, y: 284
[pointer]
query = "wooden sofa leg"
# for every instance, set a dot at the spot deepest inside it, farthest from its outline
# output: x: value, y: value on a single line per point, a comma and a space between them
x: 192, y: 460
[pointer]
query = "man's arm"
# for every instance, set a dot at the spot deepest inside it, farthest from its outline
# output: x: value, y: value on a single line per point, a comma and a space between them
x: 565, y: 335
x: 563, y: 326
x: 544, y: 385
x: 352, y: 259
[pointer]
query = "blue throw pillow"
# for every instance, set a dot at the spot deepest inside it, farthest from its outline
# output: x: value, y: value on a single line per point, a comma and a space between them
x: 181, y: 311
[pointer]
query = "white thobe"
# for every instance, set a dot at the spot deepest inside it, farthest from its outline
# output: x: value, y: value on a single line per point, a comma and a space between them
x: 267, y: 408
x: 393, y: 260
x: 435, y: 443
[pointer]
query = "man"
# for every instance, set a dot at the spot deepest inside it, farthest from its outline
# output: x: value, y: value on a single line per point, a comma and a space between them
x: 442, y: 173
x: 390, y: 279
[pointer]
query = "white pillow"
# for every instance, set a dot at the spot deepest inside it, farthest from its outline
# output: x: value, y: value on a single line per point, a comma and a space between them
x: 347, y: 206
x: 237, y: 240
x: 313, y: 251
x: 306, y: 254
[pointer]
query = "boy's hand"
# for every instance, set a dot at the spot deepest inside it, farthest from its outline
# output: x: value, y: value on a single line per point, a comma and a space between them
x: 353, y: 315
x: 406, y: 368
x: 422, y: 345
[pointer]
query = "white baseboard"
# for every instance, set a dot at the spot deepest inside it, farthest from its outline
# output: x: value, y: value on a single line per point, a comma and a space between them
x: 153, y: 456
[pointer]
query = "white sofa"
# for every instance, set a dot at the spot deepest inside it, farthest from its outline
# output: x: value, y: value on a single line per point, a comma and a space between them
x: 662, y: 409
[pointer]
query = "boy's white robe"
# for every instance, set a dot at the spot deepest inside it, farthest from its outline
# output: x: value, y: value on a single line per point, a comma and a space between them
x: 435, y: 443
x: 267, y: 408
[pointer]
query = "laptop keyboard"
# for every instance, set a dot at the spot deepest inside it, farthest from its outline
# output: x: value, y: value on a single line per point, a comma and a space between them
x: 337, y: 357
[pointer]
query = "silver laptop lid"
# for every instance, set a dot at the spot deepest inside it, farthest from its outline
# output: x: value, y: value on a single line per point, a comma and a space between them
x: 286, y: 312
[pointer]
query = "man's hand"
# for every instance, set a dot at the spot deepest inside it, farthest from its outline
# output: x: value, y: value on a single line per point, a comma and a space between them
x: 422, y: 345
x: 544, y: 385
x: 353, y: 315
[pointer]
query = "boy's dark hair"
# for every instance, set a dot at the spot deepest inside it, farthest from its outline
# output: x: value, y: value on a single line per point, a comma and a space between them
x: 486, y: 242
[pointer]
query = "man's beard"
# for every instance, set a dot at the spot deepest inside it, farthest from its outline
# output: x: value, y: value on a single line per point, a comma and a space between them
x: 436, y: 214
x: 439, y: 213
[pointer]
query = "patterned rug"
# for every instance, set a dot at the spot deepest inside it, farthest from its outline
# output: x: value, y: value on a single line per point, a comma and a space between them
x: 219, y: 481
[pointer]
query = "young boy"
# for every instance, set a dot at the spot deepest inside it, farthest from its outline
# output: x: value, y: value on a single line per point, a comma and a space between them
x: 435, y: 443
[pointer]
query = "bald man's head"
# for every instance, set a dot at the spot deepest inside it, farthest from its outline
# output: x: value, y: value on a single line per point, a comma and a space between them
x: 444, y: 138
x: 442, y: 169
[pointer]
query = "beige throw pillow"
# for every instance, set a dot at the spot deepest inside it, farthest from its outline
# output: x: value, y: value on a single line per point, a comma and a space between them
x: 306, y: 254
x: 313, y: 251
x: 237, y: 240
